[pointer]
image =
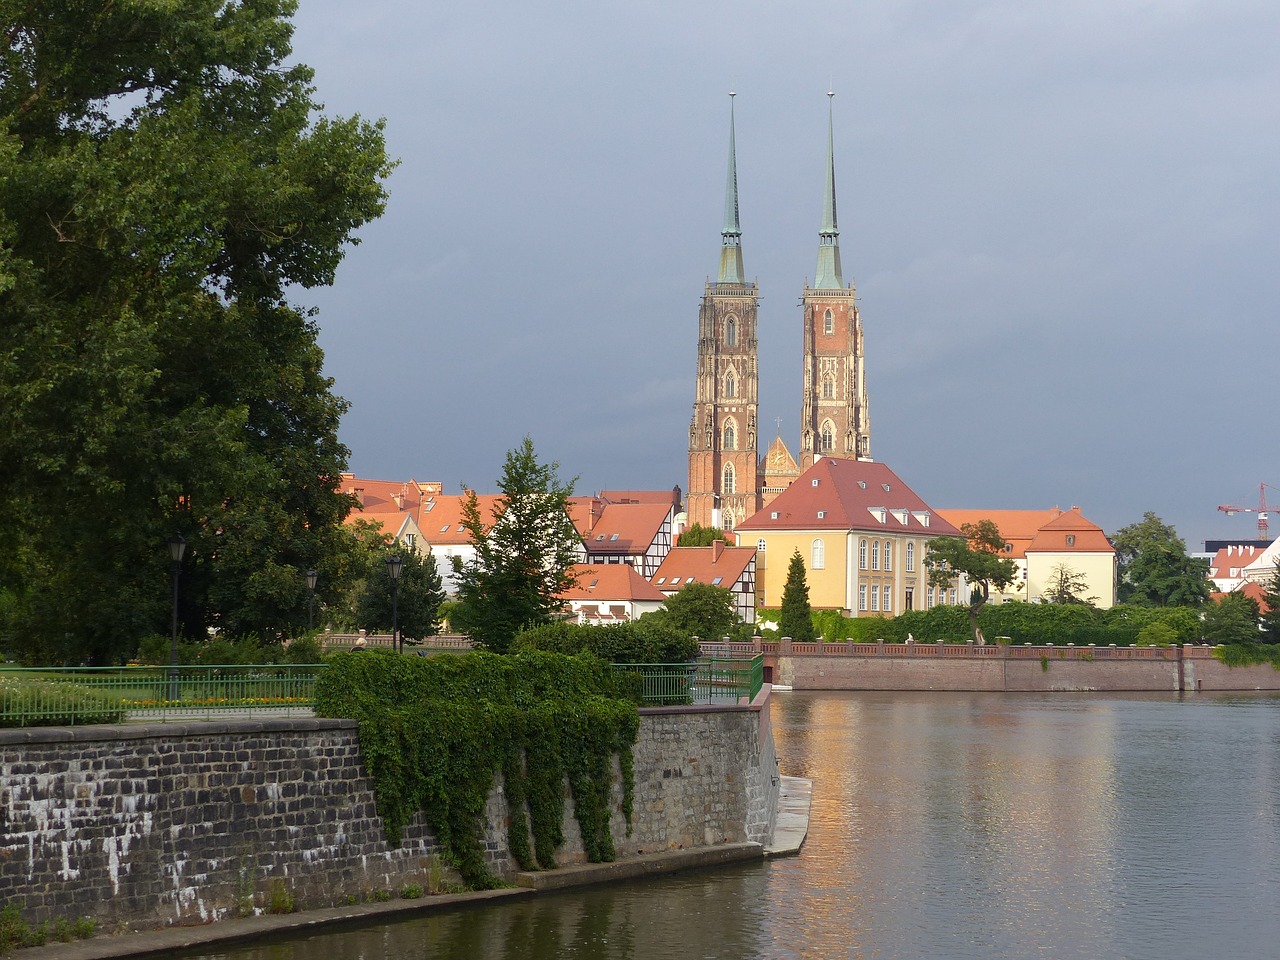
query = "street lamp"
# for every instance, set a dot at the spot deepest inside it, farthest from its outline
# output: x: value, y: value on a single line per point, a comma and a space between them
x: 393, y: 571
x: 177, y: 547
x: 312, y: 576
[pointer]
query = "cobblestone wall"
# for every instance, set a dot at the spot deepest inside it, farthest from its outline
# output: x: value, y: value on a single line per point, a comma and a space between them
x: 193, y: 822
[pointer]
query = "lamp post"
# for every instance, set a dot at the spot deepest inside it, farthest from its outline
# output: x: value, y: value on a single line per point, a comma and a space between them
x: 393, y: 571
x: 177, y: 547
x: 312, y: 576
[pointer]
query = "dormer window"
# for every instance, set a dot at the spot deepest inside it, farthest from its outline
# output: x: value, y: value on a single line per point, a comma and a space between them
x: 1071, y: 539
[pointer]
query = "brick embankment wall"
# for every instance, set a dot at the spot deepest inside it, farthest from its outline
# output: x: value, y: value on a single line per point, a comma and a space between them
x: 1059, y: 670
x: 192, y: 822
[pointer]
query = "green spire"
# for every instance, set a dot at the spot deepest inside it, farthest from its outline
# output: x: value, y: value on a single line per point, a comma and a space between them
x: 731, y: 236
x: 827, y: 276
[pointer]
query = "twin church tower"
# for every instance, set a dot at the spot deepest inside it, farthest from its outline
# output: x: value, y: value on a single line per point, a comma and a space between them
x: 729, y: 480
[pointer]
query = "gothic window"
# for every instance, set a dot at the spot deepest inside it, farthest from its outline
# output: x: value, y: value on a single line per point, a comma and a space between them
x: 828, y: 324
x: 726, y: 521
x: 730, y: 386
x: 730, y: 436
x: 731, y: 332
x: 828, y: 388
x: 875, y: 555
x: 888, y: 557
x: 819, y: 555
x: 862, y: 554
x: 911, y: 557
x: 826, y: 440
x: 728, y: 486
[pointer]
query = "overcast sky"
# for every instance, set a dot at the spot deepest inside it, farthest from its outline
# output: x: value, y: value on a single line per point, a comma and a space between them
x: 1062, y: 221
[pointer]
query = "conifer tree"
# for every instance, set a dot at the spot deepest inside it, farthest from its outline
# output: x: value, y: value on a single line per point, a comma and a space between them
x: 796, y: 620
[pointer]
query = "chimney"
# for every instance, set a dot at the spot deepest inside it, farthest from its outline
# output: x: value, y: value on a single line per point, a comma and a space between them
x: 399, y: 500
x: 359, y: 495
x: 717, y: 549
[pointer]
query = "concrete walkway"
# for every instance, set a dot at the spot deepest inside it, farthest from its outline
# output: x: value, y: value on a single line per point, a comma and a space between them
x: 792, y: 823
x: 791, y: 827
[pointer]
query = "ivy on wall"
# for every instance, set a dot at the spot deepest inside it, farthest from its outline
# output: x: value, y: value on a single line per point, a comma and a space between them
x: 435, y: 731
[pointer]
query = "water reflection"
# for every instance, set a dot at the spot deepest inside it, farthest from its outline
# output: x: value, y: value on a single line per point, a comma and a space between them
x: 949, y: 826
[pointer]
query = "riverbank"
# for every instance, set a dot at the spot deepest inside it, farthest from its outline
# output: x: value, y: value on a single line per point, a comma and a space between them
x: 791, y: 827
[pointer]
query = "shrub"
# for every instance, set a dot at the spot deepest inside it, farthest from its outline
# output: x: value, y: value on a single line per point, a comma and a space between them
x: 641, y: 641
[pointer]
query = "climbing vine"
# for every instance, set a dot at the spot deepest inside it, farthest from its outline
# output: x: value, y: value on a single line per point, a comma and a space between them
x: 434, y: 732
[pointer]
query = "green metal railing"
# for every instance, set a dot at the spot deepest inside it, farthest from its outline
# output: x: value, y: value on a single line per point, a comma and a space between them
x: 43, y: 696
x: 707, y: 680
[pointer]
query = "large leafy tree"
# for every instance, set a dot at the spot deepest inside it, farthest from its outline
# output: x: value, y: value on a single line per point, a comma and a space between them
x: 1155, y: 570
x: 796, y: 617
x: 419, y: 594
x: 701, y: 610
x: 978, y: 557
x: 1233, y: 619
x: 524, y: 553
x: 166, y: 181
x: 1066, y: 586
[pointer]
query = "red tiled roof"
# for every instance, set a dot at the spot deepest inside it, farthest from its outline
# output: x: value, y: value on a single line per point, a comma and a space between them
x: 850, y: 495
x: 669, y: 497
x: 610, y: 581
x: 438, y: 515
x: 703, y: 565
x: 1250, y: 589
x: 1230, y: 561
x: 1070, y: 533
x: 619, y: 528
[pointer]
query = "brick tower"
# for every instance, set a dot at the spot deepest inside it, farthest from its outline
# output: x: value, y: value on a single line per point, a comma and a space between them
x: 834, y: 420
x: 724, y: 486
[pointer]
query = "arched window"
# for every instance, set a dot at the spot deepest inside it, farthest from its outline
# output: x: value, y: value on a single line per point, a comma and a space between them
x: 875, y: 555
x: 730, y: 386
x: 826, y: 441
x: 888, y: 556
x: 731, y: 332
x: 726, y: 520
x: 911, y: 557
x: 730, y: 436
x: 819, y: 555
x: 862, y: 554
x: 728, y: 486
x: 828, y: 388
x: 828, y: 324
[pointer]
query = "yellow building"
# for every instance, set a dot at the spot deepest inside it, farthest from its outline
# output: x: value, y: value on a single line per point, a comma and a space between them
x: 1045, y: 544
x: 862, y: 533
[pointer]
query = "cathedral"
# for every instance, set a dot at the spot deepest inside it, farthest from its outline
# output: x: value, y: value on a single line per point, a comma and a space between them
x: 729, y: 480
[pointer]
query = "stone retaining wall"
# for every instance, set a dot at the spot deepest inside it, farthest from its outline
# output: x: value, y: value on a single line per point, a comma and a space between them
x: 146, y: 824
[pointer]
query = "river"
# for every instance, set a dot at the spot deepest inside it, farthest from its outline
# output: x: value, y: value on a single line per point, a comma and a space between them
x: 950, y: 826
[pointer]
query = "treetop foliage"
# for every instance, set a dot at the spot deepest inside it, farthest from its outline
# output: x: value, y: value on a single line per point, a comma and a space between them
x: 1155, y: 569
x: 167, y: 182
x: 523, y: 553
x: 978, y: 556
x: 699, y: 536
x: 796, y: 618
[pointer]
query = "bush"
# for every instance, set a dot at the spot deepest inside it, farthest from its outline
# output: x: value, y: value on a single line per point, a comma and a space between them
x: 647, y: 640
x: 31, y: 702
x: 1157, y: 635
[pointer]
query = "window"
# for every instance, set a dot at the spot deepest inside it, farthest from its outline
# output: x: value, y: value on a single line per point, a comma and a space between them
x: 828, y: 388
x: 1071, y: 539
x: 409, y: 539
x: 716, y: 581
x: 728, y: 486
x: 661, y: 581
x: 827, y: 441
x: 822, y: 514
x: 760, y: 545
x: 928, y: 599
x: 911, y: 557
x: 862, y: 554
x: 613, y: 537
x: 445, y: 528
x: 909, y: 603
x: 875, y: 555
x: 828, y: 324
x: 887, y: 605
x: 819, y: 555
x: 888, y: 556
x: 862, y: 596
x: 953, y: 596
x: 731, y: 332
x: 730, y: 387
x: 773, y: 514
x: 730, y: 438
x: 875, y: 599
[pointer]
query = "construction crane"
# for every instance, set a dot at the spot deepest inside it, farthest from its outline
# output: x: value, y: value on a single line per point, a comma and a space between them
x: 1231, y: 510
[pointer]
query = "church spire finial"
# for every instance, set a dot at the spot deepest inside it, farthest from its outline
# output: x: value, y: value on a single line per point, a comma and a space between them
x: 731, y: 235
x: 828, y: 276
